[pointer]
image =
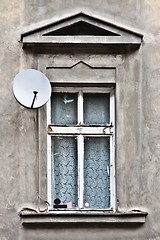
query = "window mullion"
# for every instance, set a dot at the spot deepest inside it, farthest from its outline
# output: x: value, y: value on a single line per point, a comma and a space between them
x: 80, y: 170
x: 80, y: 152
x: 80, y: 107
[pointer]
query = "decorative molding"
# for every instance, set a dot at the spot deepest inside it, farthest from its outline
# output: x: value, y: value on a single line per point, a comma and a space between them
x: 79, y: 64
x: 81, y: 31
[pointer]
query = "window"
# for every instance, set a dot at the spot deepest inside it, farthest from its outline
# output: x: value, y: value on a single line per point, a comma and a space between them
x: 81, y: 148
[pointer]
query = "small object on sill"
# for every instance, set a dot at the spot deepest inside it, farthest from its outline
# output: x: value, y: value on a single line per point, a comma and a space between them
x: 86, y: 204
x: 60, y: 206
x: 57, y: 204
x: 57, y: 201
x: 69, y: 205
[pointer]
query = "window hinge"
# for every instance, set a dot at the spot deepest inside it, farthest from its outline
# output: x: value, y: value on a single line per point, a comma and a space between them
x: 49, y: 130
x: 109, y: 129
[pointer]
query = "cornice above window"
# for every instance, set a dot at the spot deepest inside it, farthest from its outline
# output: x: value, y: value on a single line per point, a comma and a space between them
x: 81, y: 31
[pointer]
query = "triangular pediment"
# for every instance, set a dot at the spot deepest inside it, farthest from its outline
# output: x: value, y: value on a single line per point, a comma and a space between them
x: 81, y: 30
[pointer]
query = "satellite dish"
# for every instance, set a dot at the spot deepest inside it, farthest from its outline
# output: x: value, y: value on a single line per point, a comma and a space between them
x: 31, y: 88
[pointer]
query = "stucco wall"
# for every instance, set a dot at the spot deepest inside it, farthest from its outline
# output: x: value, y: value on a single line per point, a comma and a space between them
x: 138, y: 115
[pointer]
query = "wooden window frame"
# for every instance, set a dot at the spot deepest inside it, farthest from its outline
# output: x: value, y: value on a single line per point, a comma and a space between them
x: 80, y: 131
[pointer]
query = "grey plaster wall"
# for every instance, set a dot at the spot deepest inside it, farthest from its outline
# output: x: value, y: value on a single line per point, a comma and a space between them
x: 138, y: 118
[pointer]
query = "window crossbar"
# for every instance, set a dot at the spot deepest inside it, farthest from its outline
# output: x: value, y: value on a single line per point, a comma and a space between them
x: 106, y: 130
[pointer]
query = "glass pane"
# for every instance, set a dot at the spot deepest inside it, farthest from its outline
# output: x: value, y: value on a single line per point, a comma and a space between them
x: 64, y: 108
x: 96, y: 172
x: 64, y: 169
x: 96, y: 108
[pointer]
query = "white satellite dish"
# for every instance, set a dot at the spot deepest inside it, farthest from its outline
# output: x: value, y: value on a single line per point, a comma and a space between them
x: 31, y: 88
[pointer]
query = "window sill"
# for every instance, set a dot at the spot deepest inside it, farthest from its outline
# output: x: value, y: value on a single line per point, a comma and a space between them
x: 73, y: 217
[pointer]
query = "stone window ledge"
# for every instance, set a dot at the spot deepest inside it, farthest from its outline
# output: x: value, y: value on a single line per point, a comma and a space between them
x: 73, y: 217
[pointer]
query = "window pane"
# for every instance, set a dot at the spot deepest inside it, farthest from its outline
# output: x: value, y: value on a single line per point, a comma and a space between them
x: 64, y: 169
x: 96, y: 172
x: 96, y: 108
x: 64, y: 108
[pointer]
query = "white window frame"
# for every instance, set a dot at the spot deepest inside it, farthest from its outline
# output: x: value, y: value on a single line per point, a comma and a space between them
x: 80, y: 132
